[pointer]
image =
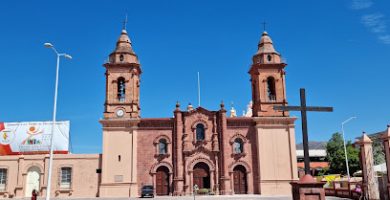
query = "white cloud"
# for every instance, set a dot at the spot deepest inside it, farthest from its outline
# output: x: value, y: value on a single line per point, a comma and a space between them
x: 361, y: 4
x: 375, y: 22
x: 385, y: 38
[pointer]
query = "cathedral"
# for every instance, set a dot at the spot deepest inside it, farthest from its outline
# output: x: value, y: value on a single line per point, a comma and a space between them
x: 219, y: 154
x: 225, y: 155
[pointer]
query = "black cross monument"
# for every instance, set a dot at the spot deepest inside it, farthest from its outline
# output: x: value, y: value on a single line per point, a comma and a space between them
x: 303, y: 108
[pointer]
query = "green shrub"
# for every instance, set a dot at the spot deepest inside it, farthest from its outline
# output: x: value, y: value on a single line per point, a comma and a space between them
x: 204, y: 191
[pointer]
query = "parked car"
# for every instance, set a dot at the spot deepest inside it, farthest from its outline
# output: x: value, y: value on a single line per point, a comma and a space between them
x: 147, y: 191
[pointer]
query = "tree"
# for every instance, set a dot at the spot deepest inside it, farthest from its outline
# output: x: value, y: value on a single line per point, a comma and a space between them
x: 377, y: 150
x: 336, y: 156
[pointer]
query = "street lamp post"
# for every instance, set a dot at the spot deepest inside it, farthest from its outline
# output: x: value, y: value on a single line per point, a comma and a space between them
x: 345, y: 147
x: 49, y: 45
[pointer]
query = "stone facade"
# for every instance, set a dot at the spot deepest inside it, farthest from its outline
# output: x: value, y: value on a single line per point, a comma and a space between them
x: 219, y: 154
x: 224, y: 155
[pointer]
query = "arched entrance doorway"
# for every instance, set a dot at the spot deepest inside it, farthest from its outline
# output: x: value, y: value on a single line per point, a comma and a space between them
x: 32, y: 180
x: 239, y: 176
x: 162, y: 181
x: 201, y: 175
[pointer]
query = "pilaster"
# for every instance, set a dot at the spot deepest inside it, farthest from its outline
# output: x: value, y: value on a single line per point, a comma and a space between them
x: 178, y: 180
x: 20, y: 179
x: 370, y: 183
x: 225, y: 186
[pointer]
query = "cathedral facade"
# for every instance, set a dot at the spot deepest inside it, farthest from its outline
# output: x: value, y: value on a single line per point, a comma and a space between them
x: 217, y: 153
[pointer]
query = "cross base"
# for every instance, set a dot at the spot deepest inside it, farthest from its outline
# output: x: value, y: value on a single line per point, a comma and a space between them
x: 307, y: 189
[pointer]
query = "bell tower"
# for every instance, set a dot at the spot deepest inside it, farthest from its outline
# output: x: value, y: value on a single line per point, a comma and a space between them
x: 121, y: 120
x: 268, y: 80
x: 122, y: 81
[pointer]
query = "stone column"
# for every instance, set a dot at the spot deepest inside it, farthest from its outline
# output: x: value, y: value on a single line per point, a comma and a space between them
x: 187, y: 183
x: 186, y: 149
x: 370, y: 183
x: 225, y: 178
x: 170, y: 183
x: 249, y: 182
x: 178, y: 170
x: 212, y: 180
x: 232, y: 181
x: 216, y: 175
x: 386, y: 143
x: 155, y: 184
x: 20, y: 178
x: 46, y: 171
x: 191, y: 185
x: 23, y: 188
x: 215, y: 149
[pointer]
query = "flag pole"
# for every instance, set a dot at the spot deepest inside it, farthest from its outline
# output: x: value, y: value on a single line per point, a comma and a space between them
x: 198, y: 90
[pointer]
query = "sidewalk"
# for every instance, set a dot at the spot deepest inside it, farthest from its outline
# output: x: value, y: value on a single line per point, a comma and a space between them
x: 218, y: 197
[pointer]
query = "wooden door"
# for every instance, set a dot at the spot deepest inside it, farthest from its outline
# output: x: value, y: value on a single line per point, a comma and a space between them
x: 201, y: 175
x: 162, y: 181
x: 198, y: 178
x: 239, y: 176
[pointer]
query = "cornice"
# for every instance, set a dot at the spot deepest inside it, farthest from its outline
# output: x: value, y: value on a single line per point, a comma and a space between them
x: 123, y: 66
x: 255, y: 67
x: 157, y: 123
x: 121, y: 123
x: 274, y: 121
x: 240, y: 122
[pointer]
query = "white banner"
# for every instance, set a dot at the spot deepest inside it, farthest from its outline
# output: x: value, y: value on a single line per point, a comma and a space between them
x: 33, y: 137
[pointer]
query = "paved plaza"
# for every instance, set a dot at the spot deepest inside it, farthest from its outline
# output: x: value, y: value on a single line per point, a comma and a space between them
x: 219, y: 197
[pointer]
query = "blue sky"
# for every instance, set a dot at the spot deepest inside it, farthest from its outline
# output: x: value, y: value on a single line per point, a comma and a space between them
x: 338, y: 50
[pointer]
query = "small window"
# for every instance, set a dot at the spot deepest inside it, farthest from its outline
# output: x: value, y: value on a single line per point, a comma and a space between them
x: 162, y: 146
x: 121, y: 89
x: 269, y: 58
x: 238, y: 146
x: 271, y: 89
x: 3, y: 179
x: 66, y: 177
x: 121, y: 57
x: 119, y: 158
x: 199, y: 132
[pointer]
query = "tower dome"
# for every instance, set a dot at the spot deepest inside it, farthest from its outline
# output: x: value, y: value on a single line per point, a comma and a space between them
x: 266, y: 53
x: 123, y: 52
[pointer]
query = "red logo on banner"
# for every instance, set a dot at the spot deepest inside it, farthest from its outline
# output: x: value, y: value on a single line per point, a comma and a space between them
x: 2, y: 126
x: 5, y: 149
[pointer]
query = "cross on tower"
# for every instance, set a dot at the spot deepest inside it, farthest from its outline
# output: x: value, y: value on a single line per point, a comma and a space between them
x: 264, y: 23
x: 303, y: 108
x: 124, y: 23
